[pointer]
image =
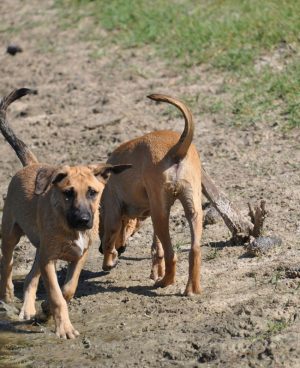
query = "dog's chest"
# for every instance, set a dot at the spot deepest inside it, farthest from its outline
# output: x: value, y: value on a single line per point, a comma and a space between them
x: 82, y: 242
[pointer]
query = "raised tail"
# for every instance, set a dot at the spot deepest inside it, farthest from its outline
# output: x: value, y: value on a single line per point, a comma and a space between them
x: 23, y: 152
x: 185, y: 140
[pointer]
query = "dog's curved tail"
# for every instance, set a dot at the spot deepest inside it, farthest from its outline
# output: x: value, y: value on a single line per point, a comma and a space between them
x: 23, y: 152
x: 185, y: 140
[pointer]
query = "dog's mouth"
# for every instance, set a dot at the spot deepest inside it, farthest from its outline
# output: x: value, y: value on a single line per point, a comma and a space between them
x: 81, y: 227
x: 120, y: 250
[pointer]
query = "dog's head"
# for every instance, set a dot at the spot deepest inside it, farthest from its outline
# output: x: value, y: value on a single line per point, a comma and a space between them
x: 76, y: 191
x: 128, y: 229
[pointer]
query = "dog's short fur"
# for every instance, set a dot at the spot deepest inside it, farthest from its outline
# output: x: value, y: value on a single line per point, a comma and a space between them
x: 58, y: 209
x: 165, y: 167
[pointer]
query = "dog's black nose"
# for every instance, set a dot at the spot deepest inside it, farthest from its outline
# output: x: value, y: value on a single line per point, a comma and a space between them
x: 80, y: 220
x: 84, y: 219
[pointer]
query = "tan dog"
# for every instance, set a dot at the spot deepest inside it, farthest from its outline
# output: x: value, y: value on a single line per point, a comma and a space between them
x: 166, y: 167
x: 58, y: 209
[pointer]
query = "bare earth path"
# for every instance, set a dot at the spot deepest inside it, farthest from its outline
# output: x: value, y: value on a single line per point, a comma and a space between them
x: 248, y: 315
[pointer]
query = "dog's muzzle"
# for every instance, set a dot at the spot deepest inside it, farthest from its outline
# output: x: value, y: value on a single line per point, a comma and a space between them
x: 80, y: 220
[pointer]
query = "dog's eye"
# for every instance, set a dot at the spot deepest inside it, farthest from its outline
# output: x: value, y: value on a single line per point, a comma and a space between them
x: 69, y: 193
x: 91, y: 193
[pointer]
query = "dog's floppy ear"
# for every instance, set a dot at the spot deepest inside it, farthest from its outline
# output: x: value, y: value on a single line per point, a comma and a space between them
x: 103, y: 171
x: 46, y: 176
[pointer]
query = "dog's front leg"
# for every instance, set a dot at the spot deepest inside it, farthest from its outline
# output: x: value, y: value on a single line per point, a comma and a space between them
x: 73, y: 273
x: 58, y: 305
x: 30, y: 286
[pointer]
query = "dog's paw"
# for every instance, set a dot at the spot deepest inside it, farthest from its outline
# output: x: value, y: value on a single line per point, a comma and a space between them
x: 153, y: 275
x: 164, y: 282
x: 108, y: 268
x: 110, y: 263
x: 65, y: 330
x: 27, y: 312
x: 121, y: 250
x: 157, y: 272
x: 68, y: 292
x: 192, y: 291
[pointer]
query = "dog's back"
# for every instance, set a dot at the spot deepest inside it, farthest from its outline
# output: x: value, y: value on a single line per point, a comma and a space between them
x: 153, y: 164
x: 163, y: 159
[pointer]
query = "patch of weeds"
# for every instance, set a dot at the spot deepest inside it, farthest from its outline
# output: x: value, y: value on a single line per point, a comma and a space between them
x: 171, y: 113
x: 266, y: 94
x: 21, y: 27
x: 97, y: 54
x: 275, y: 278
x: 179, y: 245
x: 213, y: 254
x: 275, y: 327
x: 216, y: 106
x: 9, y: 29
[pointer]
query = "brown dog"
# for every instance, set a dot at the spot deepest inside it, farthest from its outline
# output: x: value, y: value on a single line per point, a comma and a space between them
x: 58, y: 209
x: 165, y: 167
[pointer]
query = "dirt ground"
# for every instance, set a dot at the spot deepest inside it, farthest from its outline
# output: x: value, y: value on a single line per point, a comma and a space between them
x: 248, y: 314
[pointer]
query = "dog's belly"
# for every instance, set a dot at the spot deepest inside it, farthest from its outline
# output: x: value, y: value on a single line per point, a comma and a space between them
x: 136, y: 212
x: 33, y: 238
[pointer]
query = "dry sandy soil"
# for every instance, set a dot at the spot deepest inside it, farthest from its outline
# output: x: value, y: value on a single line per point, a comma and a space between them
x: 248, y: 314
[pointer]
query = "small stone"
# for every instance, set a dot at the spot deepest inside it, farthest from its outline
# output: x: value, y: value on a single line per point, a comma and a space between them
x: 211, y: 216
x: 13, y: 49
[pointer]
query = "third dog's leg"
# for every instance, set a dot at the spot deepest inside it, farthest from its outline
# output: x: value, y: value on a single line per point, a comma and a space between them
x: 158, y: 261
x: 193, y: 212
x: 30, y: 286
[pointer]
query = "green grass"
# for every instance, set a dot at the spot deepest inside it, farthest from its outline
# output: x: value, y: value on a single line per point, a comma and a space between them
x: 269, y: 95
x: 228, y: 35
x: 273, y: 328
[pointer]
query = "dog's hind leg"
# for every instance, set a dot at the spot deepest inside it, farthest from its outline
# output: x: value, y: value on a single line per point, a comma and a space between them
x: 11, y: 234
x: 160, y: 212
x: 191, y: 201
x: 73, y: 273
x: 30, y: 287
x: 158, y: 260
